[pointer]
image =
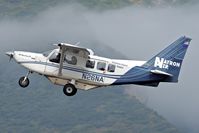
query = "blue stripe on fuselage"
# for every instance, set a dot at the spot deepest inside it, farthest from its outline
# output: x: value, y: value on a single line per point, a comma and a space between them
x: 74, y: 69
x: 133, y: 75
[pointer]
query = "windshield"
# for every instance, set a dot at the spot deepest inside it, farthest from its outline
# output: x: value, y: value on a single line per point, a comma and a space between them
x: 46, y: 53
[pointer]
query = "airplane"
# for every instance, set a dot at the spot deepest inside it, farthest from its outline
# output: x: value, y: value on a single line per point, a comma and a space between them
x: 76, y: 67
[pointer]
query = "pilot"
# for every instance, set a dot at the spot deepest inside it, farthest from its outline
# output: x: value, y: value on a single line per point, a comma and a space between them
x: 56, y: 59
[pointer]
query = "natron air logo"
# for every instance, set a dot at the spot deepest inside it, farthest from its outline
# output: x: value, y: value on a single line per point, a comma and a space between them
x: 163, y: 63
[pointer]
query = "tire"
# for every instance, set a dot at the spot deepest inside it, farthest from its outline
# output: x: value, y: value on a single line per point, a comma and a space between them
x: 69, y: 90
x: 23, y: 83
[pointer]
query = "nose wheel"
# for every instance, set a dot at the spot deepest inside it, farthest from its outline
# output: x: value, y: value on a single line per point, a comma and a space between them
x: 69, y: 90
x: 24, y: 81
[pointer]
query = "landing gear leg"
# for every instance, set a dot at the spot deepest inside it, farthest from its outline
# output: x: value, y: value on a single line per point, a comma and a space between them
x: 24, y: 81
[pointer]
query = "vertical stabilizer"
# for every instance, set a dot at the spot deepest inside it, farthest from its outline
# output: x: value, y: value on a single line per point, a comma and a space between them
x: 170, y: 59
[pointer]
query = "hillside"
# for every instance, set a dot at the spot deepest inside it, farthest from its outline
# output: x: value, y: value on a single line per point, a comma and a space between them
x: 28, y: 8
x: 43, y: 107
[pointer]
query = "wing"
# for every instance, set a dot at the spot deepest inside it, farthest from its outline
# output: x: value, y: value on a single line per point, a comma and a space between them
x: 64, y: 47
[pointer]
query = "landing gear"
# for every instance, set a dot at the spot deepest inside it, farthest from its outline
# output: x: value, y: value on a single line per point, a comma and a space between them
x: 24, y: 81
x: 69, y: 90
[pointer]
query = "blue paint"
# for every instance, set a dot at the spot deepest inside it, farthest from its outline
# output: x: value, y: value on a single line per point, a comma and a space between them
x: 172, y: 57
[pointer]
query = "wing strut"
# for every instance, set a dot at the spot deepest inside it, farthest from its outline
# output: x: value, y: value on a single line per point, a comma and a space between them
x: 62, y: 51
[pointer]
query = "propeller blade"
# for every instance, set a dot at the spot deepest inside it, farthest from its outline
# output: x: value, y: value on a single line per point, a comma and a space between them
x: 10, y: 54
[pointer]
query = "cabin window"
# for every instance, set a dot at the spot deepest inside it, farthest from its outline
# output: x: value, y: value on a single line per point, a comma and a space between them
x: 90, y: 64
x: 111, y: 68
x: 101, y: 66
x: 55, y: 57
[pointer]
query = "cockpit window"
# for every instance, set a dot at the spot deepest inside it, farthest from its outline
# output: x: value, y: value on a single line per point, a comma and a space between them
x: 46, y: 53
x: 55, y: 57
x: 90, y: 64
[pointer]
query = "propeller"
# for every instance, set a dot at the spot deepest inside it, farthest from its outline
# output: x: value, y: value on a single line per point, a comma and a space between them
x: 10, y: 54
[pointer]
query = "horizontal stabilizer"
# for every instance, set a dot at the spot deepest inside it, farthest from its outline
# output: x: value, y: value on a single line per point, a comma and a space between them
x: 161, y: 72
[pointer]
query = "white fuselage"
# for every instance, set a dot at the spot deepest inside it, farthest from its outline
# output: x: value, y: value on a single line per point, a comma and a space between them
x: 76, y: 71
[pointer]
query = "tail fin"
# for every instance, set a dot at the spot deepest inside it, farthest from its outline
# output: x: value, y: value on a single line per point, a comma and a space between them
x: 168, y: 61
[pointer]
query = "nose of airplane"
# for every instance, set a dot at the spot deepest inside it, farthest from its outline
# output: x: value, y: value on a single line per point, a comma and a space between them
x: 10, y: 54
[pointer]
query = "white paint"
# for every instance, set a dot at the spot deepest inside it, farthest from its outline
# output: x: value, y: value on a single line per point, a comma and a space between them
x: 85, y: 78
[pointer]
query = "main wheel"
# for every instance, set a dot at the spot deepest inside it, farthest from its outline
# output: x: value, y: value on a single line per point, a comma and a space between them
x: 69, y: 90
x: 24, y: 82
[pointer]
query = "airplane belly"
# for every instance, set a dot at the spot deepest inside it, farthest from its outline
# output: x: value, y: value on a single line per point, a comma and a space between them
x: 79, y: 85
